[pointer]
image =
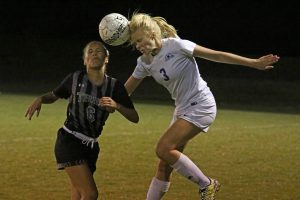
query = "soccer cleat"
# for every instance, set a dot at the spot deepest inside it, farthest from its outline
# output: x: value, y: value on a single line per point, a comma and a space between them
x: 208, y: 193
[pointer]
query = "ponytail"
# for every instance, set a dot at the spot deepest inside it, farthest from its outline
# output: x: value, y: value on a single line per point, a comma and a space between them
x: 167, y: 30
x: 157, y: 24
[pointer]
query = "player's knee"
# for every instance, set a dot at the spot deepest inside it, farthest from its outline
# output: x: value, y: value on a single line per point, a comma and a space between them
x: 162, y: 150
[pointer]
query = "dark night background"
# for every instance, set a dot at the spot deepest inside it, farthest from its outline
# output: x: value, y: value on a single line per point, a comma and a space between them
x: 42, y: 41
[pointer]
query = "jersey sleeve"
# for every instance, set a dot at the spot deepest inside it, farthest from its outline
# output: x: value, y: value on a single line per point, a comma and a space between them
x: 186, y: 46
x: 64, y: 90
x: 140, y: 71
x: 121, y: 96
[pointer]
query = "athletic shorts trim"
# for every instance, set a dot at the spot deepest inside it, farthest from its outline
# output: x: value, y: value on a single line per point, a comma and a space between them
x: 69, y: 151
x: 61, y: 166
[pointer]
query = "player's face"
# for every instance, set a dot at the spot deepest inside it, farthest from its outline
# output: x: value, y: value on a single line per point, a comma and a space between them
x: 95, y: 56
x: 143, y: 42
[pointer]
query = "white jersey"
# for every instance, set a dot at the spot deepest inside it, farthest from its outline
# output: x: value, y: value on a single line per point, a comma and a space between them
x: 176, y: 69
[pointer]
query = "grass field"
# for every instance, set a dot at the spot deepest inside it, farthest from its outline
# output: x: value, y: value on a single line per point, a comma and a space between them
x: 255, y: 155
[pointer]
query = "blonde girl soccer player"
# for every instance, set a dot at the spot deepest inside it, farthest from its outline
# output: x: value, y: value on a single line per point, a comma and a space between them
x: 92, y: 96
x: 170, y: 61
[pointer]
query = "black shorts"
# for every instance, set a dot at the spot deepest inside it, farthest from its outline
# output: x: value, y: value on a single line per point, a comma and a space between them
x: 69, y: 151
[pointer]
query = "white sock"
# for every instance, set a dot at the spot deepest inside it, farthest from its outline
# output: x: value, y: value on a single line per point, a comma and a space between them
x: 188, y: 169
x: 157, y: 189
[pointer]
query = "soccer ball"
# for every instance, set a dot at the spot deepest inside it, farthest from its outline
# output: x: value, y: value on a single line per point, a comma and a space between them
x: 114, y: 29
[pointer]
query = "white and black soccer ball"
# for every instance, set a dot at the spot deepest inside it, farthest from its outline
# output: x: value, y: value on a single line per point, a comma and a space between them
x: 114, y: 29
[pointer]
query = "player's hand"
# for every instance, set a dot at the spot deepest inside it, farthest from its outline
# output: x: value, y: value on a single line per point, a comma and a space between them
x: 35, y: 106
x: 109, y: 104
x: 266, y: 62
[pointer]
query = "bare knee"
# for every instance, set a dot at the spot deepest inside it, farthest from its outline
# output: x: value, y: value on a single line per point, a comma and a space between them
x: 168, y: 152
x: 163, y: 150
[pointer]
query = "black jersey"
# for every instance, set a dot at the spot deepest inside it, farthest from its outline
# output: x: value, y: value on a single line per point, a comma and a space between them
x: 84, y: 114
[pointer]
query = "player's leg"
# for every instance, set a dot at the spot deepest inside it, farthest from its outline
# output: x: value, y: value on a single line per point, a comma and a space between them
x: 75, y: 195
x: 82, y: 181
x: 178, y: 134
x: 161, y: 182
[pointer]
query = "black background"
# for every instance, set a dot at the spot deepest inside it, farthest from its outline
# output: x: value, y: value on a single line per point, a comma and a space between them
x: 244, y: 26
x: 42, y: 41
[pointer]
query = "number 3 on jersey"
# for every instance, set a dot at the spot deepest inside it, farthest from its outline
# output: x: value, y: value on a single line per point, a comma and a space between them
x: 164, y: 73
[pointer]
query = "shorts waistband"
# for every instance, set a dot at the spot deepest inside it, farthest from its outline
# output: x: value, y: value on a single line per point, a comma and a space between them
x: 85, y: 139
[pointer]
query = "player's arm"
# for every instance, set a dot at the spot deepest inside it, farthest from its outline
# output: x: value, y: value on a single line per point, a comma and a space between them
x: 121, y: 101
x: 128, y: 113
x: 131, y: 84
x: 36, y: 105
x: 262, y: 63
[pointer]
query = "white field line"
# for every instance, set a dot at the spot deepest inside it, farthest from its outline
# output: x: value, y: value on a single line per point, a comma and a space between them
x: 146, y: 132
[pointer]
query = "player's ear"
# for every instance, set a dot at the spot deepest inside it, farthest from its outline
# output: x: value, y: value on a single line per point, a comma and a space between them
x: 106, y: 60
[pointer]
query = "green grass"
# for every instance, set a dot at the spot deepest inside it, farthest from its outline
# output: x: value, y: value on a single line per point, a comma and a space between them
x: 255, y: 155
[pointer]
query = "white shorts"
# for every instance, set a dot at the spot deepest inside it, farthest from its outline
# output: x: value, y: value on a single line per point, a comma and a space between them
x: 201, y: 113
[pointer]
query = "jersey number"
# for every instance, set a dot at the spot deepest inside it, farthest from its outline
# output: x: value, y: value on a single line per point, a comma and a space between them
x: 90, y: 113
x: 164, y: 73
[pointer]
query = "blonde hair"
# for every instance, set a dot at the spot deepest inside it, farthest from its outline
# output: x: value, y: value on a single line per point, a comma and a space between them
x: 157, y: 24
